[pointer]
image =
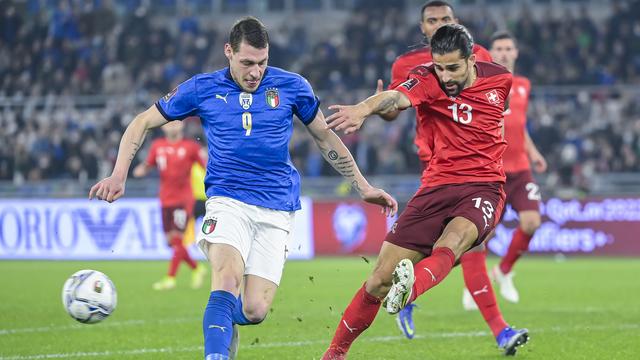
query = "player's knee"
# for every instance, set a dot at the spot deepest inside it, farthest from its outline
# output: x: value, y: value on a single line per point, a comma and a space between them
x: 256, y: 312
x: 530, y: 224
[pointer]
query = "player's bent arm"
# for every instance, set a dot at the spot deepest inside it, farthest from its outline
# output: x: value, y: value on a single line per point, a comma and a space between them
x: 133, y: 138
x: 388, y: 116
x: 337, y: 154
x: 112, y: 187
x: 350, y: 118
x: 387, y: 102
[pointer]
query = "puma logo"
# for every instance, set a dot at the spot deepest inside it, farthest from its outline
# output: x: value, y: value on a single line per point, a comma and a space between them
x: 433, y: 277
x: 217, y: 327
x: 223, y: 98
x: 351, y: 330
x: 484, y: 289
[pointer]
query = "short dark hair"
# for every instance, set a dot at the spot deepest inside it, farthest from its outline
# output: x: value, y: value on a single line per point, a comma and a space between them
x: 251, y: 30
x: 451, y: 37
x: 435, y: 3
x: 501, y: 35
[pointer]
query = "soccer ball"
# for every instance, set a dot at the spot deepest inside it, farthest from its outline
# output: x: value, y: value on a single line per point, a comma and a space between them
x: 89, y: 296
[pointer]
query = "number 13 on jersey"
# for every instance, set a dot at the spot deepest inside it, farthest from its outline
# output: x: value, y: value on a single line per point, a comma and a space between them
x: 246, y: 123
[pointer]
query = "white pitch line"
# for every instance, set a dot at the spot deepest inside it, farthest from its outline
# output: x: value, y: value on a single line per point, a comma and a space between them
x: 306, y: 343
x: 105, y: 324
x: 57, y: 328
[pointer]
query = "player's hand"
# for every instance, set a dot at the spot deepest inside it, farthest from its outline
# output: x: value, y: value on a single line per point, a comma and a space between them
x: 539, y: 163
x: 140, y: 171
x: 109, y: 189
x: 380, y: 197
x: 348, y: 118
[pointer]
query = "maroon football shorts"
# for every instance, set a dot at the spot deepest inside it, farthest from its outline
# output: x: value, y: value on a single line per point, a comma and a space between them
x: 430, y: 210
x: 522, y: 191
x: 174, y: 218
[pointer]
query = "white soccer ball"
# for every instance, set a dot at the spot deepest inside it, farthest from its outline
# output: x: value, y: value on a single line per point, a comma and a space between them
x: 89, y: 296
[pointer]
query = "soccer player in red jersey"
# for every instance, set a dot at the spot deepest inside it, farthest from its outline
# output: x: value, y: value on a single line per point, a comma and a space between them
x: 433, y: 15
x: 522, y: 192
x: 173, y: 156
x: 461, y: 195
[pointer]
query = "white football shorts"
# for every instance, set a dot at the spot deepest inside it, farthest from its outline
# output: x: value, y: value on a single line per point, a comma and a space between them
x: 260, y: 235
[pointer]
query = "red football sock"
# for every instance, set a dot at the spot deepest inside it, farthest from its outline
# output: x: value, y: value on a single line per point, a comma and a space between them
x: 430, y: 271
x: 187, y: 258
x: 357, y: 317
x: 476, y: 279
x: 178, y: 254
x: 519, y: 245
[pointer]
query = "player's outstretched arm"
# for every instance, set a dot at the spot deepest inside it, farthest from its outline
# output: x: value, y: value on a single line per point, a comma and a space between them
x: 349, y: 118
x: 391, y: 115
x: 112, y: 187
x: 337, y: 154
x: 538, y: 161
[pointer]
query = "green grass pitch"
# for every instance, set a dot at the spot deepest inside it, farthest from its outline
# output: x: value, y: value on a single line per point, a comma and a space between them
x: 575, y: 309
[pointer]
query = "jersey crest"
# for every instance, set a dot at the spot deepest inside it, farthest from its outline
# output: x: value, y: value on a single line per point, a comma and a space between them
x: 246, y: 99
x: 493, y: 97
x: 273, y: 99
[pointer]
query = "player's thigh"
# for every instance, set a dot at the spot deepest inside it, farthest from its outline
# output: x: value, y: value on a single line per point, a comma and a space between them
x: 268, y: 253
x: 226, y: 222
x: 227, y: 267
x: 422, y: 221
x: 480, y: 204
x: 459, y: 235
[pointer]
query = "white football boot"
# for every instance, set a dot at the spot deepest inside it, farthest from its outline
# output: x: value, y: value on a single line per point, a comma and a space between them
x: 505, y: 281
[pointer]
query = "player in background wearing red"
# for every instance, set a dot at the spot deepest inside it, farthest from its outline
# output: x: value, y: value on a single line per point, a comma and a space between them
x: 173, y: 156
x: 461, y: 195
x: 522, y: 192
x: 434, y: 14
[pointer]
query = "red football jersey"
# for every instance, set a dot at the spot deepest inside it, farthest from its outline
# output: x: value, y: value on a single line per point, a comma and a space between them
x: 515, y: 121
x: 174, y: 161
x: 400, y: 72
x: 467, y: 129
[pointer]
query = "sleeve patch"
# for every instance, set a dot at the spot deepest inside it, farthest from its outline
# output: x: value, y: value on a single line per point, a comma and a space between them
x: 410, y: 84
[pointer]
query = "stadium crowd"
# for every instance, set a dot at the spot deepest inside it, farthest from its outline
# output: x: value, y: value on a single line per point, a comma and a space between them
x: 51, y: 51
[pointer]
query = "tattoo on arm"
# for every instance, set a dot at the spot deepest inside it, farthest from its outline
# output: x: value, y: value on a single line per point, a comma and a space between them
x: 136, y: 146
x: 388, y: 104
x: 343, y: 164
x: 355, y: 185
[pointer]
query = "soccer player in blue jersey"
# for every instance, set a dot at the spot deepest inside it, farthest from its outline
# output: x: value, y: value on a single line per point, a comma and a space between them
x: 252, y: 187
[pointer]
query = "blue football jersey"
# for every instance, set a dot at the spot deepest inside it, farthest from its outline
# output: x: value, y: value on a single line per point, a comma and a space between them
x: 248, y: 133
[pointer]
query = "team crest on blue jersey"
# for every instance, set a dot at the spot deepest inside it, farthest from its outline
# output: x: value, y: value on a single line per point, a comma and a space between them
x: 246, y: 99
x: 273, y: 99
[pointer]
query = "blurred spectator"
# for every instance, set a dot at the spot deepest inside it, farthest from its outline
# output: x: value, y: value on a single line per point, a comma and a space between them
x: 51, y: 51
